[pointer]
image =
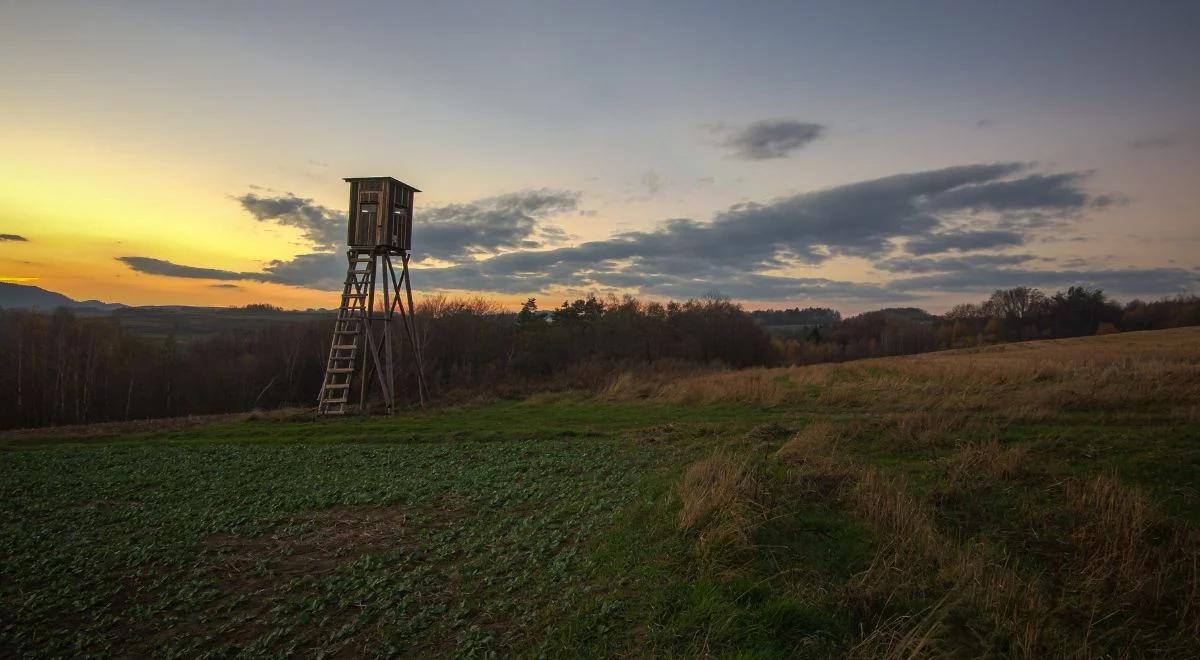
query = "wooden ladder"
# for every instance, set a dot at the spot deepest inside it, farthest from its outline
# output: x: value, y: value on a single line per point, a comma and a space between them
x: 348, y: 335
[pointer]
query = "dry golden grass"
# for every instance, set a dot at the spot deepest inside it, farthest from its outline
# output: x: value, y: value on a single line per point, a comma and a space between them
x: 1128, y: 556
x: 913, y: 553
x: 920, y: 429
x: 988, y: 460
x: 1030, y: 380
x: 1090, y: 567
x: 902, y: 637
x: 894, y: 514
x: 722, y: 500
x: 815, y: 440
x: 815, y: 450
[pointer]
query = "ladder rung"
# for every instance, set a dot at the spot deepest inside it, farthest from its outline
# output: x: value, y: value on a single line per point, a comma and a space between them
x: 360, y: 274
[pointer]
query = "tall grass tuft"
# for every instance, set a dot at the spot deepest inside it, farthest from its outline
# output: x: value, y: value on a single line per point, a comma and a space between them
x: 913, y: 557
x: 986, y: 460
x: 1129, y: 557
x: 722, y: 498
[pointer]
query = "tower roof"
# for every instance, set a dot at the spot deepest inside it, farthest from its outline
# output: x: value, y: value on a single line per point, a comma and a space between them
x: 380, y: 178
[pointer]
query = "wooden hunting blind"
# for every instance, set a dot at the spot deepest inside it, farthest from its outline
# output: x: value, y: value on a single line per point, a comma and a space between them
x: 380, y: 213
x: 379, y: 227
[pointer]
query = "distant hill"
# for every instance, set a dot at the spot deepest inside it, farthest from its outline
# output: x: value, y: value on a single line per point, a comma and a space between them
x: 22, y: 296
x: 191, y: 323
x: 914, y: 314
x: 184, y: 322
x: 796, y: 317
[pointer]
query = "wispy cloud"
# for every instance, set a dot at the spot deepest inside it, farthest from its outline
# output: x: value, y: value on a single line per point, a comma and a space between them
x: 152, y: 266
x: 767, y: 138
x: 1158, y: 141
x: 12, y: 237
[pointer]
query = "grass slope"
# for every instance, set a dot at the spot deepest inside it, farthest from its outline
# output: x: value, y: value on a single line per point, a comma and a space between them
x: 1020, y: 500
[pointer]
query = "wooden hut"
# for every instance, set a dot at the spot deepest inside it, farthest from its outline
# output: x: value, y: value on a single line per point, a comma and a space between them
x: 380, y: 213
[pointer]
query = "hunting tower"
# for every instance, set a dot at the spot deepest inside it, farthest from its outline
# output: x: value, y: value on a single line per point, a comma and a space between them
x: 379, y: 228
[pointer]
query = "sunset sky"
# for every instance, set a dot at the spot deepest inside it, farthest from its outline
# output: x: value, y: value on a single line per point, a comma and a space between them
x: 855, y: 155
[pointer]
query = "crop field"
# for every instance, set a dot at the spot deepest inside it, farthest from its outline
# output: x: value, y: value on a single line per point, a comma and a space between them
x: 1021, y: 500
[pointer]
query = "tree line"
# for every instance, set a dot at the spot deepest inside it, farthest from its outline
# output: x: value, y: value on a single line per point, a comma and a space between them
x: 59, y: 368
x: 1016, y: 314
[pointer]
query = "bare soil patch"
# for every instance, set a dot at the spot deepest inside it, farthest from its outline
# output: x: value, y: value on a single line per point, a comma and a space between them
x: 258, y: 572
x: 318, y: 543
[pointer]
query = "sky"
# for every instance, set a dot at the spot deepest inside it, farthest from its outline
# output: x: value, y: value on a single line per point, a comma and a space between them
x: 853, y: 155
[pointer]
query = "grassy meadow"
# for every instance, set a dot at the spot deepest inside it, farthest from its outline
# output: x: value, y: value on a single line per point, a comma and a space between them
x: 1025, y: 500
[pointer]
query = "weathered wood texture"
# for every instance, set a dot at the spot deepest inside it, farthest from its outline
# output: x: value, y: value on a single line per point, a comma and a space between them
x: 380, y: 213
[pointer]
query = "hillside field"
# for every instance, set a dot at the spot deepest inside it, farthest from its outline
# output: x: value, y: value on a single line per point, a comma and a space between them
x: 1030, y: 499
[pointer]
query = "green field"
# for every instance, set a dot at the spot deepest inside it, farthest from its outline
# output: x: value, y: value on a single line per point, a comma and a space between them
x: 1031, y: 500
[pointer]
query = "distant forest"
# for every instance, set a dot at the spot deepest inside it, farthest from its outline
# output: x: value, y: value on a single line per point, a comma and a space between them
x: 63, y: 368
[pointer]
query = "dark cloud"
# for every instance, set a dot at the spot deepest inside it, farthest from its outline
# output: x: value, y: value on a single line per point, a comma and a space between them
x: 943, y: 219
x: 860, y: 219
x: 963, y: 240
x: 733, y: 251
x: 319, y: 270
x: 458, y: 232
x: 152, y: 266
x: 768, y: 138
x: 738, y: 284
x: 753, y: 286
x: 737, y: 250
x: 326, y: 270
x: 12, y: 237
x: 224, y: 286
x: 950, y: 264
x: 323, y: 226
x: 1128, y: 281
x: 454, y: 232
x: 1036, y: 192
